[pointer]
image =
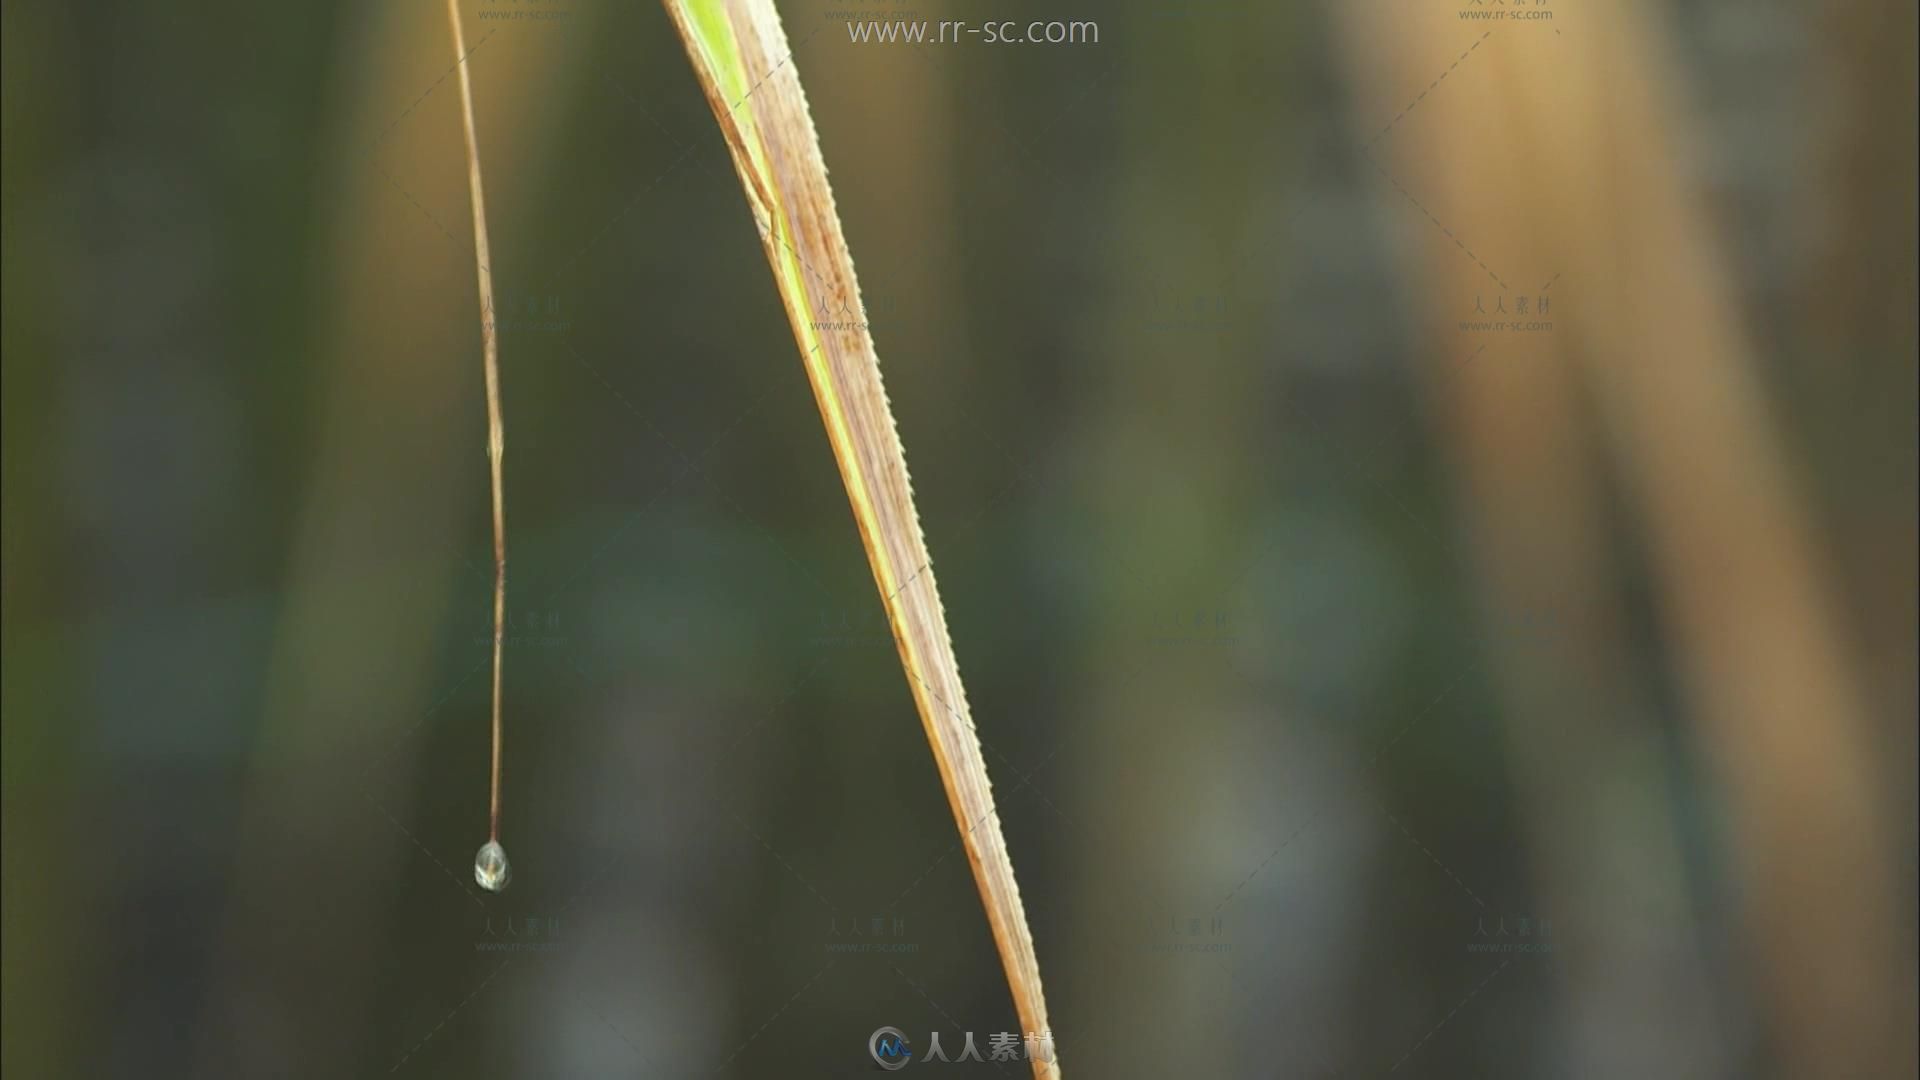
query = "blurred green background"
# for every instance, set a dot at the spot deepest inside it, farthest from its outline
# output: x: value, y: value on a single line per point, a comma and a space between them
x: 1377, y: 676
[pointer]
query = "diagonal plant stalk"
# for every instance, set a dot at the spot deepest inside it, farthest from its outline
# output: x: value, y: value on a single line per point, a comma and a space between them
x: 741, y: 56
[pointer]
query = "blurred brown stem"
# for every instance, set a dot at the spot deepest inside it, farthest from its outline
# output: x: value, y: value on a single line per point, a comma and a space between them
x: 1656, y: 341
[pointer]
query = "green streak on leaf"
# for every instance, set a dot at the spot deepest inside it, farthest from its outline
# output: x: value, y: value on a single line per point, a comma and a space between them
x: 719, y: 51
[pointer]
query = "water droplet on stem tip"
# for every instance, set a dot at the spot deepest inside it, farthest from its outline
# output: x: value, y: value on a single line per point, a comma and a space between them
x: 490, y: 867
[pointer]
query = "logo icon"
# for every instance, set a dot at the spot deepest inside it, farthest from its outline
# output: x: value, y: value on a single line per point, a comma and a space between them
x: 889, y: 1048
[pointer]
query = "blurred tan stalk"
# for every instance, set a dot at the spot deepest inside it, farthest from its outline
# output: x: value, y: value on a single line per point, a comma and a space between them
x: 1558, y: 151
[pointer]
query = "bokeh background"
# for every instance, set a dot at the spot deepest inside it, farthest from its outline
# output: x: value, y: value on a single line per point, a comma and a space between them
x: 1426, y: 506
